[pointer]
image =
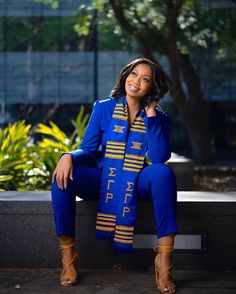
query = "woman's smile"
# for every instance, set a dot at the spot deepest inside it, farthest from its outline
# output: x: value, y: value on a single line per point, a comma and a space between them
x: 133, y: 87
x: 139, y: 82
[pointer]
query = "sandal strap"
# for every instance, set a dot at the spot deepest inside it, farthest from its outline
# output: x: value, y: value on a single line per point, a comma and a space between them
x: 165, y: 270
x: 67, y: 246
x: 167, y: 283
x: 164, y: 248
x: 69, y: 264
x: 75, y: 257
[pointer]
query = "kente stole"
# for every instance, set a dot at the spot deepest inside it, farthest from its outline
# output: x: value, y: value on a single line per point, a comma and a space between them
x: 123, y: 161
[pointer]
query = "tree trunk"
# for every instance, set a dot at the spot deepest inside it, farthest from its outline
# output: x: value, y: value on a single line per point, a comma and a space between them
x: 199, y: 132
x: 200, y: 139
x: 190, y: 102
x: 192, y: 107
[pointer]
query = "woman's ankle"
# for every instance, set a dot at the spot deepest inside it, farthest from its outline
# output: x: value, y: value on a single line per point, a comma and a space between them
x: 64, y: 240
x: 166, y: 240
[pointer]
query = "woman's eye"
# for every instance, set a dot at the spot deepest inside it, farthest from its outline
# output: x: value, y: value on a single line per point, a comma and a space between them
x: 133, y: 73
x: 146, y: 80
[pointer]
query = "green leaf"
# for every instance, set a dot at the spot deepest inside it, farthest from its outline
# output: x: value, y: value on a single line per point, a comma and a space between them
x: 25, y: 165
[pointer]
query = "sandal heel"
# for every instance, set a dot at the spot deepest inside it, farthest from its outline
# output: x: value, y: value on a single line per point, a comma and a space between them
x: 165, y: 270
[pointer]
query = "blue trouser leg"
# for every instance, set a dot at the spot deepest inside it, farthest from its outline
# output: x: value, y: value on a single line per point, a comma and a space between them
x: 86, y: 185
x: 158, y: 182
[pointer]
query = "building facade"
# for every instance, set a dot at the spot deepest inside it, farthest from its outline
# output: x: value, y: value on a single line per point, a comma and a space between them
x: 41, y: 70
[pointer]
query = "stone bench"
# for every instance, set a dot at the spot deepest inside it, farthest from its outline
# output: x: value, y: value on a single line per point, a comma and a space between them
x: 206, y: 238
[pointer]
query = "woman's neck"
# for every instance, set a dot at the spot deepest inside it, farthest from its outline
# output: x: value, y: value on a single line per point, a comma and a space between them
x: 133, y: 104
x: 133, y: 107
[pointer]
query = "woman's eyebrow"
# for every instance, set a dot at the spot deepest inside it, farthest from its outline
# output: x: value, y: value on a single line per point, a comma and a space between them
x: 145, y: 75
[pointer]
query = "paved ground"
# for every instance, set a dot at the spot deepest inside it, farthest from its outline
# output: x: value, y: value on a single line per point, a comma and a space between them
x: 13, y: 281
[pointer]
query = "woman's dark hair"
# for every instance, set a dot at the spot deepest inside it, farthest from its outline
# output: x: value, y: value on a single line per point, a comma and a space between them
x: 159, y: 88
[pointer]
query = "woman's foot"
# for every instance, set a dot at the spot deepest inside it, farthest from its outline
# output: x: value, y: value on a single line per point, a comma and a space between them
x: 163, y: 265
x: 69, y: 273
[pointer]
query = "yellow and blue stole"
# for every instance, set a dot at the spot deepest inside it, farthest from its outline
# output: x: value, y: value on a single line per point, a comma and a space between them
x: 123, y: 161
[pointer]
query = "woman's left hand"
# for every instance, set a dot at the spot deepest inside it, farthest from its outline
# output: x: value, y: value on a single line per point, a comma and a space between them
x: 151, y: 109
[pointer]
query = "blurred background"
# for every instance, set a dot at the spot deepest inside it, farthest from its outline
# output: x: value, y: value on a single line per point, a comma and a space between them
x: 58, y: 55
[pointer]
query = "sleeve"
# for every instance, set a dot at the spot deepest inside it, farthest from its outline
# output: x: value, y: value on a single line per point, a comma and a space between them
x: 86, y: 152
x: 158, y: 128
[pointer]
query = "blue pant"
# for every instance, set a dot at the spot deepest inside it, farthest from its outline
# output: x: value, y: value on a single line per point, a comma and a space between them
x: 156, y: 181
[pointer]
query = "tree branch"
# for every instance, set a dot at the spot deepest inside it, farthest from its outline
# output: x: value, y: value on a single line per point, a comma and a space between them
x: 143, y: 41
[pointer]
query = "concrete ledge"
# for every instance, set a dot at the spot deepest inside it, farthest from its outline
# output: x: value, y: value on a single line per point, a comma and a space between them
x: 28, y: 238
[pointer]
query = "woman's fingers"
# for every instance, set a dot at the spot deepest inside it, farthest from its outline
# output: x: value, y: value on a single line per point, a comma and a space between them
x: 65, y: 180
x: 59, y: 179
x: 63, y: 171
x: 71, y: 173
x: 62, y: 180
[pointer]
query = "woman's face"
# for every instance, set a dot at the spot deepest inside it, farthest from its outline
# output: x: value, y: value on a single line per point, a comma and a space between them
x: 139, y: 81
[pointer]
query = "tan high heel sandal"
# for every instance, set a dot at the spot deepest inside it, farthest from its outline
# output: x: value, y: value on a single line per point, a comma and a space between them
x: 164, y: 287
x: 71, y: 281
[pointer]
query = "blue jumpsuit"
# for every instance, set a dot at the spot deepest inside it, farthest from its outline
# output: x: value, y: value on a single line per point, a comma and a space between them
x: 155, y: 181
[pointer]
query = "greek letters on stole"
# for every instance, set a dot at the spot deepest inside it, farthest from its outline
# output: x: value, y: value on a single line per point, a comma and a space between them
x: 124, y: 159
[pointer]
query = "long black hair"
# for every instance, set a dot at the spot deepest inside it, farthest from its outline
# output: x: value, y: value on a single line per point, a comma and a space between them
x: 159, y: 88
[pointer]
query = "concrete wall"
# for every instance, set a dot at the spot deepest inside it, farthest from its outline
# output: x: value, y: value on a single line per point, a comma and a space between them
x: 28, y: 238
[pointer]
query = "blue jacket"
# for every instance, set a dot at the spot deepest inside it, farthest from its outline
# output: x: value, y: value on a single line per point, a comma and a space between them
x: 93, y: 145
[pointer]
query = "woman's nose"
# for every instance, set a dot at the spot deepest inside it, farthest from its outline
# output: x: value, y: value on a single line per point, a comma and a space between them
x: 137, y: 80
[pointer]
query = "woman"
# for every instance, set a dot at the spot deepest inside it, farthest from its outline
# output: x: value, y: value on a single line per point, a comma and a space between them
x: 110, y: 164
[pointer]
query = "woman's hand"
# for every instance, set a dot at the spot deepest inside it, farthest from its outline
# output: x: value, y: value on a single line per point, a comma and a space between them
x: 63, y: 171
x: 151, y: 109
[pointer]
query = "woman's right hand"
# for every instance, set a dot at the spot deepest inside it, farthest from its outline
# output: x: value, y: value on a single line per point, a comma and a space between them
x: 63, y: 171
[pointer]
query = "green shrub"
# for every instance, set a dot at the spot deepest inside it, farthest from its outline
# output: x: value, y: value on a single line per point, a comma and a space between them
x: 18, y: 161
x: 55, y: 142
x: 25, y: 165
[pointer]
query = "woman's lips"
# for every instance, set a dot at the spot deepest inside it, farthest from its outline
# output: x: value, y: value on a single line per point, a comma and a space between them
x: 133, y: 88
